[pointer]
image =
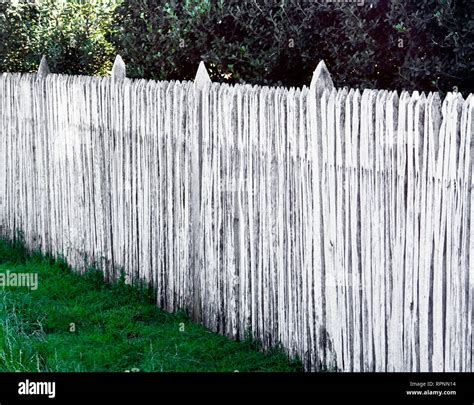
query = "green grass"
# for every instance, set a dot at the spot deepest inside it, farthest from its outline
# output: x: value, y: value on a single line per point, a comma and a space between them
x: 118, y: 328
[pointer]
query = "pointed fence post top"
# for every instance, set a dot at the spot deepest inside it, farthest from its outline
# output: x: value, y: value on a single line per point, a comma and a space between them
x: 202, y: 76
x: 119, y: 69
x: 43, y: 69
x: 321, y: 79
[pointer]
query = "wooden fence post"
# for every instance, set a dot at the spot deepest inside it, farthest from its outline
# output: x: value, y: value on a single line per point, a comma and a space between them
x: 41, y: 141
x: 43, y: 69
x: 320, y: 82
x: 201, y: 80
x: 118, y: 74
x: 118, y: 70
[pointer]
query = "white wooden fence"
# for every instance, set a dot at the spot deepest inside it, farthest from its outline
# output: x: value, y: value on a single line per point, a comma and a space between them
x: 336, y: 223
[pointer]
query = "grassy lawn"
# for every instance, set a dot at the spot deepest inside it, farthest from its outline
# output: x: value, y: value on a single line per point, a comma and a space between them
x: 117, y: 327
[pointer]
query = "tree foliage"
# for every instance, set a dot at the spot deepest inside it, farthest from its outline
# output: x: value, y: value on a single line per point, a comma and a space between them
x: 402, y: 44
x: 396, y: 44
x: 73, y: 35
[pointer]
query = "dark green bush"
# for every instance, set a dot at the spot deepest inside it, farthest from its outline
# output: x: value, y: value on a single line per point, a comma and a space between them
x: 72, y: 34
x: 397, y: 44
x: 402, y: 44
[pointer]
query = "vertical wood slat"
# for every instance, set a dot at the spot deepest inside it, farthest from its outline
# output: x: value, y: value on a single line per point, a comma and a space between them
x: 336, y: 224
